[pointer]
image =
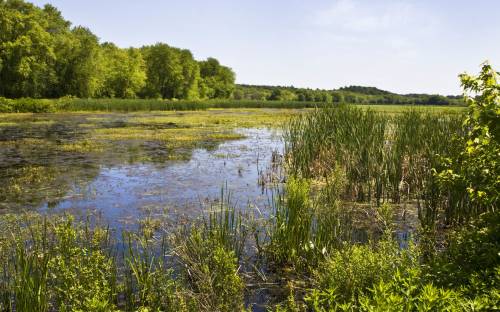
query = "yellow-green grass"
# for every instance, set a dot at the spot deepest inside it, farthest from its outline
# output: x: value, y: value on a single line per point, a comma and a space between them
x: 219, y: 118
x: 401, y: 108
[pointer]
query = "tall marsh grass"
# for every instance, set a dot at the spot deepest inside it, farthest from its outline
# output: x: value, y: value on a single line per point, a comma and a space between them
x: 306, y: 225
x: 384, y: 157
x: 56, y: 263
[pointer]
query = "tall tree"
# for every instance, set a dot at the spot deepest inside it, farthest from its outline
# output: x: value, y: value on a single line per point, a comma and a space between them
x: 42, y: 56
x: 124, y: 72
x: 217, y: 81
x: 171, y: 72
x: 83, y: 75
x: 26, y: 50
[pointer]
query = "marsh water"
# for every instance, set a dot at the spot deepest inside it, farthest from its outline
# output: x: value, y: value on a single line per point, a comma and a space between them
x: 180, y: 188
x: 129, y: 179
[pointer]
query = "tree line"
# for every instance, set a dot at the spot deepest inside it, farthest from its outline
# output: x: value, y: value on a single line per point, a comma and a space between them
x: 43, y: 56
x: 351, y: 94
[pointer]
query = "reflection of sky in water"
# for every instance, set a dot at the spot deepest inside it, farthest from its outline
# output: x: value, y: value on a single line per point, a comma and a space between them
x: 122, y: 193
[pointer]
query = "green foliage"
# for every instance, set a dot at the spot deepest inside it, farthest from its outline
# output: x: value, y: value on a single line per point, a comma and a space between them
x: 26, y: 50
x: 474, y: 176
x: 350, y: 272
x: 125, y: 74
x: 350, y: 95
x: 412, y: 292
x: 216, y: 81
x: 472, y: 254
x: 82, y: 276
x: 406, y: 292
x: 171, y: 72
x: 364, y: 278
x: 42, y: 56
x: 211, y: 272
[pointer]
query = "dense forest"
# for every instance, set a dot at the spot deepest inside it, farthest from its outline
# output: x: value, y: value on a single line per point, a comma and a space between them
x: 43, y: 56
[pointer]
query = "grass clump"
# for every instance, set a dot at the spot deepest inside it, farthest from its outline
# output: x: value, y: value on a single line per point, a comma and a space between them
x: 211, y: 271
x: 306, y: 225
x: 54, y: 263
x: 384, y: 158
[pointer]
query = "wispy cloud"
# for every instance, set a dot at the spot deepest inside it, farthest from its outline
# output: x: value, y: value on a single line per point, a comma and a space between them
x: 358, y: 16
x: 400, y: 27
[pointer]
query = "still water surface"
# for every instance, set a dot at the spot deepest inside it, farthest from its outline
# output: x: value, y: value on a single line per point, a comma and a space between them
x: 122, y: 185
x: 122, y: 193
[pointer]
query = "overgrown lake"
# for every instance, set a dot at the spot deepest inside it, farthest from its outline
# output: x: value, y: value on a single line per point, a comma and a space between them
x: 128, y: 166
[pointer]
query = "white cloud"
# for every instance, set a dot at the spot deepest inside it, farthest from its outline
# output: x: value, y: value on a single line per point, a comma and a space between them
x: 359, y: 16
x: 400, y: 28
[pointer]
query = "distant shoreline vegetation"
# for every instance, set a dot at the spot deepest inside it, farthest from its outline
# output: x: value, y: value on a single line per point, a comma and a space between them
x: 43, y: 56
x: 68, y: 104
x: 351, y: 94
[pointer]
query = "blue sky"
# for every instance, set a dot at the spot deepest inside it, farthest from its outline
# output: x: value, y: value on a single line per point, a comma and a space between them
x: 406, y: 46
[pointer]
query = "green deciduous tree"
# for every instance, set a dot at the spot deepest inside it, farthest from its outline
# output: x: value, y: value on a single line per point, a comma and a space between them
x: 171, y: 72
x: 82, y: 74
x: 217, y: 81
x: 124, y: 71
x: 26, y: 50
x: 41, y: 55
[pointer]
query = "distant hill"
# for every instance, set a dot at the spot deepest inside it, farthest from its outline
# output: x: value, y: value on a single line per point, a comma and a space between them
x: 349, y: 94
x: 365, y: 90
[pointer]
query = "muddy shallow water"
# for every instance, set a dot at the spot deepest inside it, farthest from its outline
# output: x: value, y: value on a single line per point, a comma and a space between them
x: 122, y: 193
x: 124, y: 167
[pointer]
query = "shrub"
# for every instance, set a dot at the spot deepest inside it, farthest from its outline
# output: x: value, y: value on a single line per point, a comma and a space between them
x: 6, y: 105
x: 350, y: 272
x: 405, y: 292
x: 80, y: 275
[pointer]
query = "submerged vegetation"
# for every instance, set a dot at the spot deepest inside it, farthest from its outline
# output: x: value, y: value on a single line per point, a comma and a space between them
x: 45, y: 155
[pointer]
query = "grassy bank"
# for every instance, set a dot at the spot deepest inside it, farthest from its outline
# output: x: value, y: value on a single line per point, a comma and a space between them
x: 28, y: 105
x: 301, y: 259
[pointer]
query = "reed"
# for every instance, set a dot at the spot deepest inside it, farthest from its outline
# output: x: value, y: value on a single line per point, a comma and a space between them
x: 225, y: 225
x: 384, y: 157
x: 307, y: 224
